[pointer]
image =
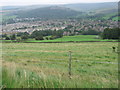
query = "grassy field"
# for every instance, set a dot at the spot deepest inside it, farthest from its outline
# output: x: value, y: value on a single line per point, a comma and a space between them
x: 72, y: 38
x: 116, y: 18
x: 110, y: 15
x: 77, y: 38
x: 45, y: 65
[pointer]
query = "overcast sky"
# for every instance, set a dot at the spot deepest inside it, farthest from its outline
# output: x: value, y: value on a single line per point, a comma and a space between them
x: 33, y: 2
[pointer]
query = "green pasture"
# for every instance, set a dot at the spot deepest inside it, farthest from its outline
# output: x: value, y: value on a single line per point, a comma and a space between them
x: 110, y: 15
x: 72, y: 38
x: 45, y: 65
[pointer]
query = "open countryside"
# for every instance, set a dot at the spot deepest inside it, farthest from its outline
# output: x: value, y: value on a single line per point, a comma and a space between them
x: 60, y: 46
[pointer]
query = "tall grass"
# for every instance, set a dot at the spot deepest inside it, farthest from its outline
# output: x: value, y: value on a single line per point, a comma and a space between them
x: 37, y: 65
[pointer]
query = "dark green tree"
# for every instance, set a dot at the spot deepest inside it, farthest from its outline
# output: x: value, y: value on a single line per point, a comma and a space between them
x: 13, y: 37
x: 40, y: 37
x: 20, y: 34
x: 7, y: 38
x: 90, y: 32
x: 111, y: 33
x: 4, y: 35
x: 24, y: 37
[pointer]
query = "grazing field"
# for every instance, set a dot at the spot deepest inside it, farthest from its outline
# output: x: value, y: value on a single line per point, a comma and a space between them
x: 45, y: 65
x: 115, y: 18
x: 76, y: 38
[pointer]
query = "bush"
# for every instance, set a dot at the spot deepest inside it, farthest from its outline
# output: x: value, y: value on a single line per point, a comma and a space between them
x: 39, y: 37
x: 19, y: 34
x: 4, y: 35
x: 46, y: 38
x: 24, y: 37
x: 90, y: 32
x: 13, y: 37
x: 7, y: 38
x: 22, y: 33
x: 53, y: 37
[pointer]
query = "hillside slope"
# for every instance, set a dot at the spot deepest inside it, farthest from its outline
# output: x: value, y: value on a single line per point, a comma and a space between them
x: 91, y: 6
x: 105, y: 11
x: 53, y: 12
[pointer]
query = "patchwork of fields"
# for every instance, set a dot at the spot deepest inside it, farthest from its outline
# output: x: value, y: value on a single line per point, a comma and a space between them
x: 45, y: 65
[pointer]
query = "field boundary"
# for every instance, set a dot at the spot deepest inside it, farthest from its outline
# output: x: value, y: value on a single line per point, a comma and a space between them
x: 57, y: 42
x: 72, y: 42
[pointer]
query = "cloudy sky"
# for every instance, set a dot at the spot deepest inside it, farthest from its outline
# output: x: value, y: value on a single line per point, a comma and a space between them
x: 32, y: 2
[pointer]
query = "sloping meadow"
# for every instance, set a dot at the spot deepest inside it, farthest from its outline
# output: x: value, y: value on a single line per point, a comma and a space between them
x: 45, y: 65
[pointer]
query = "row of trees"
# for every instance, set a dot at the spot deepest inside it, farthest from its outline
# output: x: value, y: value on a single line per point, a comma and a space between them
x: 108, y: 33
x: 37, y: 35
x: 72, y: 31
x: 90, y: 32
x: 21, y: 36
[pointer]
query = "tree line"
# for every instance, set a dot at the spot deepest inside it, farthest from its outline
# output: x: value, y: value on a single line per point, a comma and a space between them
x: 109, y: 33
x: 37, y: 35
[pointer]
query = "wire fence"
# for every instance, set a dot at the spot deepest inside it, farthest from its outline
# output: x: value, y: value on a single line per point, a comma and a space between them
x: 77, y: 61
x: 69, y: 60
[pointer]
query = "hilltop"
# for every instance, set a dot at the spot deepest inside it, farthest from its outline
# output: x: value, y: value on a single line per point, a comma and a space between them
x: 91, y: 6
x: 53, y: 12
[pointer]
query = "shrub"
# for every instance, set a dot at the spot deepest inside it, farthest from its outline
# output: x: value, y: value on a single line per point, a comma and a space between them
x: 13, y: 37
x: 7, y: 38
x: 90, y: 32
x: 40, y: 37
x: 24, y: 37
x: 46, y: 38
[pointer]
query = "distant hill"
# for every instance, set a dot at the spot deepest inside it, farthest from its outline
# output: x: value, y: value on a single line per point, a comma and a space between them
x: 23, y: 7
x: 53, y: 12
x: 91, y: 6
x: 106, y: 11
x: 10, y: 7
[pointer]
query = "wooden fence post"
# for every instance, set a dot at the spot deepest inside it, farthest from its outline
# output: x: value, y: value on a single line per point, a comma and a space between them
x: 69, y: 66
